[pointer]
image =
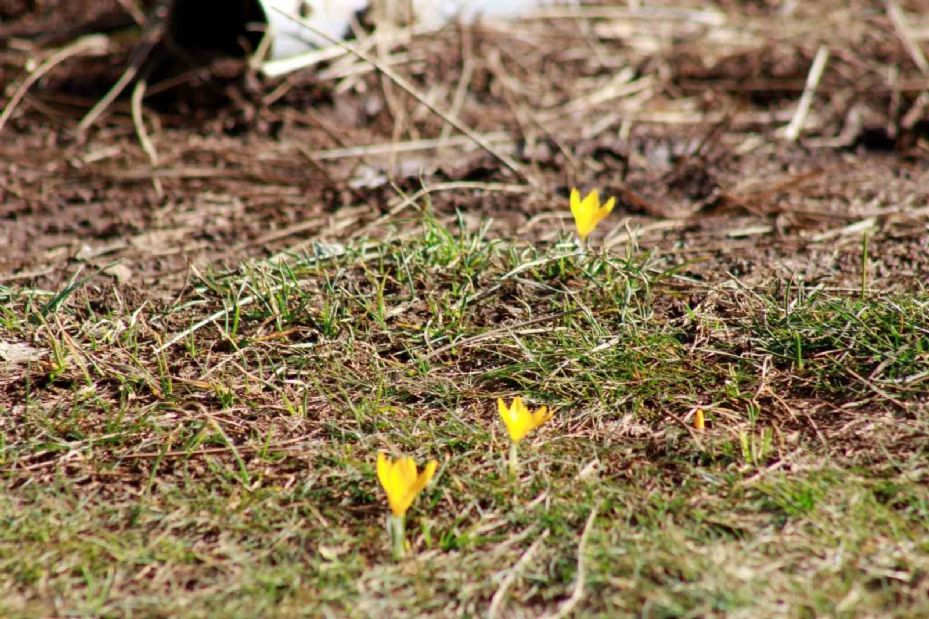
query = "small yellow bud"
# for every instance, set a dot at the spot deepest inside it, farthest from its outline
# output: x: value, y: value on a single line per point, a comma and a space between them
x: 699, y: 421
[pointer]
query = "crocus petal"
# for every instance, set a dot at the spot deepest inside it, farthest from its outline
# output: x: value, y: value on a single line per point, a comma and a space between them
x: 389, y: 474
x: 423, y: 479
x: 521, y: 419
x: 383, y: 469
x: 608, y: 207
x: 502, y: 409
x: 586, y: 228
x: 406, y: 471
x: 596, y: 217
x: 579, y: 211
x: 575, y: 201
x: 507, y: 417
x: 591, y: 202
x: 541, y: 416
x: 514, y: 418
x: 519, y: 431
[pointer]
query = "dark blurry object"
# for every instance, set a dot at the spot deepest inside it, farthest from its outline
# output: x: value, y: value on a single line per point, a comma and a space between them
x: 215, y: 25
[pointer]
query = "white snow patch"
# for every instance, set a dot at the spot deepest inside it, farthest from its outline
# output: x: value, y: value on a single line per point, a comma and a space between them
x: 333, y: 17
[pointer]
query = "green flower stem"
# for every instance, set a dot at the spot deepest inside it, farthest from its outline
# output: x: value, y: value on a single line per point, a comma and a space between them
x: 397, y: 528
x: 581, y: 245
x: 514, y: 460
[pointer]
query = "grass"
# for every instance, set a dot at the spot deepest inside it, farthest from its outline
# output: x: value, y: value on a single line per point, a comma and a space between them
x: 231, y: 474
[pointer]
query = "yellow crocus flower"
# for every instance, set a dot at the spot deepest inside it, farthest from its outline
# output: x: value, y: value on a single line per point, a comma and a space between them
x: 519, y: 420
x: 588, y: 212
x: 401, y: 482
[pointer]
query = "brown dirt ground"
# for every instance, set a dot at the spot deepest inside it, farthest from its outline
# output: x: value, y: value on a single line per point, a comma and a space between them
x: 680, y: 123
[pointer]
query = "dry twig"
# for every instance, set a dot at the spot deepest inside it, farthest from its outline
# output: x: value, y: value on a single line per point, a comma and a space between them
x: 400, y: 81
x: 578, y: 594
x: 150, y: 38
x: 898, y: 19
x: 497, y: 601
x: 94, y: 45
x: 795, y: 128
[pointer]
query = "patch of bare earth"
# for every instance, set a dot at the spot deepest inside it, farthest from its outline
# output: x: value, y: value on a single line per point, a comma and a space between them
x: 683, y: 126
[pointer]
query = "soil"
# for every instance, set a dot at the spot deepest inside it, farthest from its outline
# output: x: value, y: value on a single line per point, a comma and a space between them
x: 694, y: 151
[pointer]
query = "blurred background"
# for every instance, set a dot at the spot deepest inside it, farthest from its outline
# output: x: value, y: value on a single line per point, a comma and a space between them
x: 173, y: 133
